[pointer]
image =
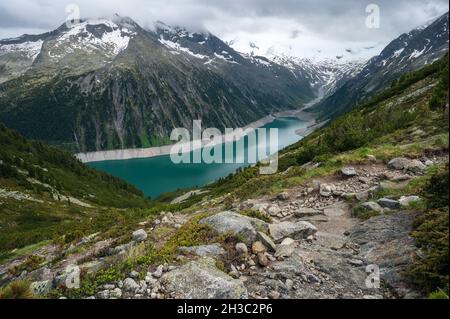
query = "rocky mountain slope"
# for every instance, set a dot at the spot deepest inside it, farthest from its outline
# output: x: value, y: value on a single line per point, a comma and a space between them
x: 349, y: 199
x: 110, y: 84
x: 408, y: 52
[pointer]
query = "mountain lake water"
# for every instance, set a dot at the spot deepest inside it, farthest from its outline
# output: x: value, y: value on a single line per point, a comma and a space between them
x: 158, y: 175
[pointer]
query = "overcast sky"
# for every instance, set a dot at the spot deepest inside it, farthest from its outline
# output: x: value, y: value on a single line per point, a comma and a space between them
x: 307, y: 28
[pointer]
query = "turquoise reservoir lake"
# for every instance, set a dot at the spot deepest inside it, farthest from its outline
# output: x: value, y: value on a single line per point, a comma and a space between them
x: 157, y: 175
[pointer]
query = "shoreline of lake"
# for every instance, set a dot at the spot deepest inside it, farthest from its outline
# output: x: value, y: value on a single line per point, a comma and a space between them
x: 136, y: 153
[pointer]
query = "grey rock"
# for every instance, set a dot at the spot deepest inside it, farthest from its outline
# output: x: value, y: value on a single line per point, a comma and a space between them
x: 230, y: 222
x: 130, y: 285
x: 385, y: 241
x: 389, y: 203
x: 242, y: 249
x: 267, y: 241
x: 203, y: 250
x: 122, y: 249
x: 349, y: 172
x: 134, y: 274
x: 399, y: 163
x: 115, y: 293
x: 326, y: 190
x: 372, y: 206
x: 139, y: 235
x: 102, y: 294
x: 283, y: 196
x: 158, y: 272
x: 274, y: 210
x: 298, y: 230
x: 202, y: 280
x: 286, y: 248
x: 416, y: 166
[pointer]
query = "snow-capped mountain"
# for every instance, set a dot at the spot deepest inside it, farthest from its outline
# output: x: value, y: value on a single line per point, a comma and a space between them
x: 407, y: 53
x: 110, y: 84
x: 325, y: 76
x: 90, y: 43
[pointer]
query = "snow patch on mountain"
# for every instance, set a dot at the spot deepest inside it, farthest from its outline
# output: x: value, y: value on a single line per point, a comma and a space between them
x: 93, y: 35
x: 30, y: 49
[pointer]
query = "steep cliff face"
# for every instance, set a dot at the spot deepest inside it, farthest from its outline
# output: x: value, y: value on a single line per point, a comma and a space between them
x: 108, y: 84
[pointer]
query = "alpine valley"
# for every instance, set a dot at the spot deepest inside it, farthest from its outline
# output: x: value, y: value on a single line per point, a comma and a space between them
x: 365, y: 184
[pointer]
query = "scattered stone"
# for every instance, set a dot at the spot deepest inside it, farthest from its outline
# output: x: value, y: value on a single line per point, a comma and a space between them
x: 102, y: 295
x: 212, y: 250
x: 267, y: 241
x: 408, y: 200
x: 158, y: 272
x: 202, y: 280
x: 258, y: 247
x: 298, y: 230
x: 326, y: 190
x: 122, y: 249
x: 108, y: 287
x: 289, y: 284
x: 389, y: 203
x: 274, y: 295
x: 263, y: 260
x: 372, y: 206
x: 139, y: 235
x: 428, y: 163
x: 116, y: 293
x: 274, y: 210
x: 134, y: 274
x: 283, y: 196
x: 371, y: 158
x: 242, y: 249
x: 286, y: 248
x: 349, y: 172
x: 130, y: 285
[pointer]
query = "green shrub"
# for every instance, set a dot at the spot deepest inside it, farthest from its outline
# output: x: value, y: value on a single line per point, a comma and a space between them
x: 17, y: 290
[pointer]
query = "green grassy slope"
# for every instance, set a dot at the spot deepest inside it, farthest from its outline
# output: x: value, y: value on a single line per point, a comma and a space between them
x: 45, y: 191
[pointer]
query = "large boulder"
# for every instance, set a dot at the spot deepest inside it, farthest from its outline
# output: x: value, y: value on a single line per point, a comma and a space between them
x: 416, y: 166
x: 139, y: 235
x: 204, y: 250
x: 201, y: 279
x: 399, y: 163
x: 389, y: 203
x: 298, y: 230
x: 236, y: 224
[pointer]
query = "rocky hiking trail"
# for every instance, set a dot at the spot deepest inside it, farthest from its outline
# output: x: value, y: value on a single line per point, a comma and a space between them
x: 309, y: 245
